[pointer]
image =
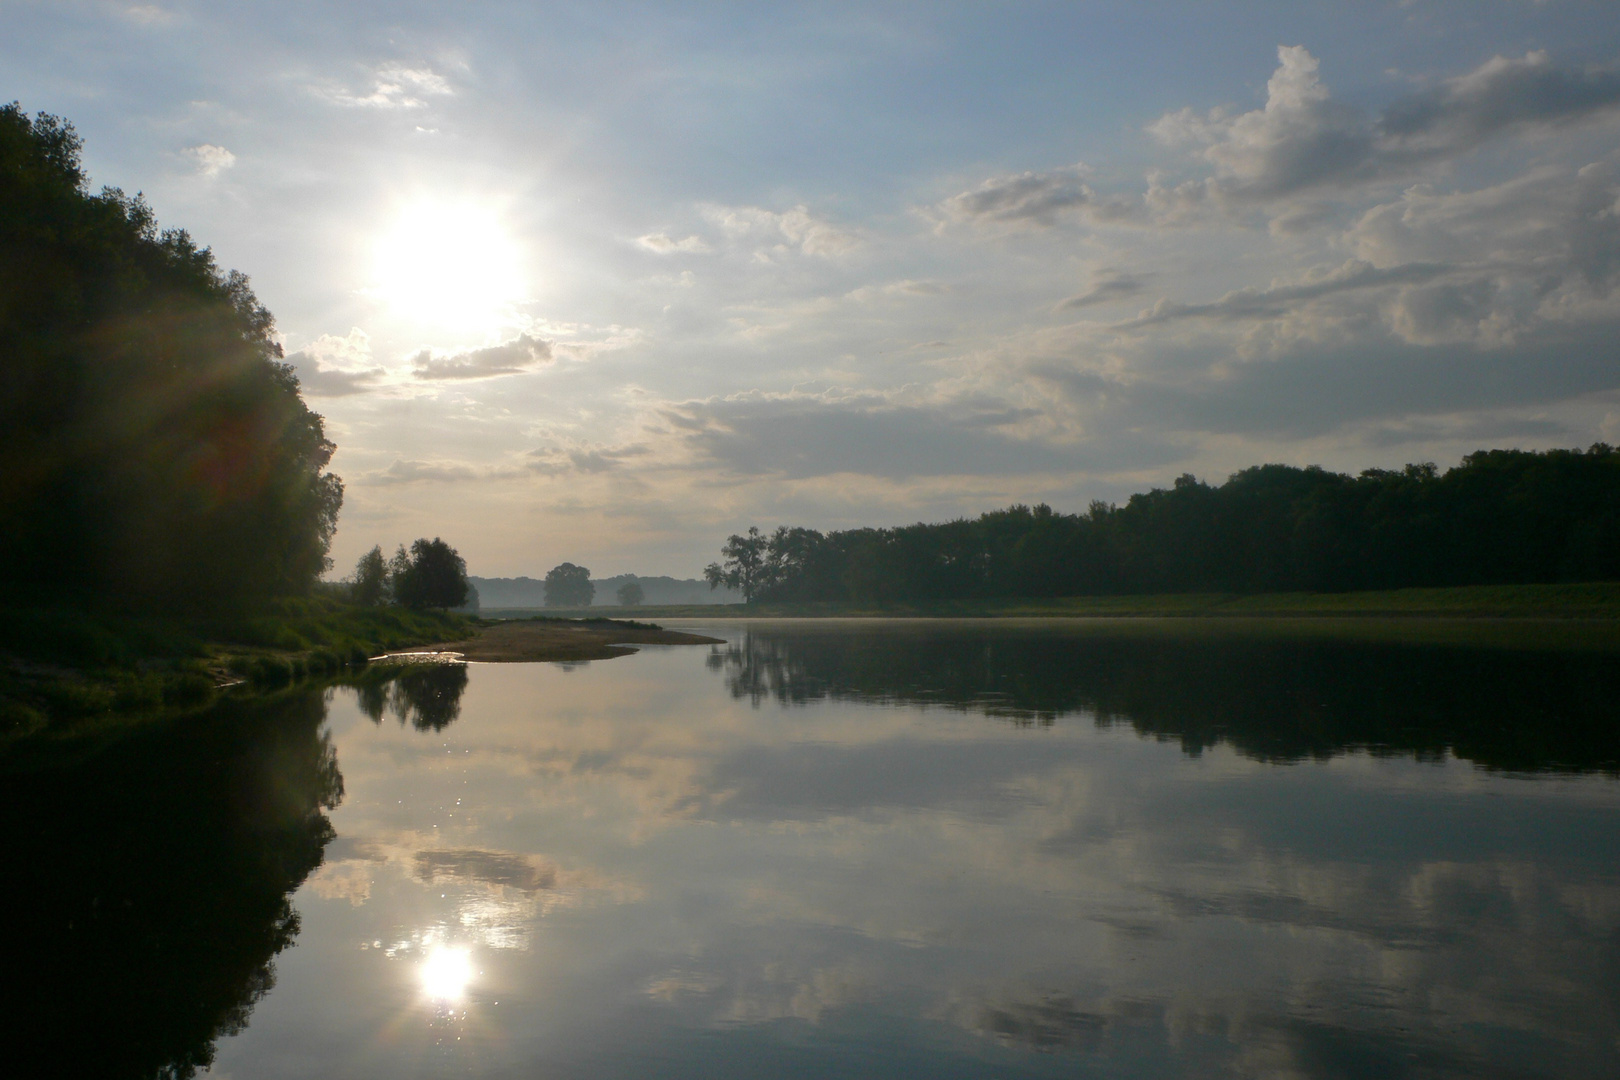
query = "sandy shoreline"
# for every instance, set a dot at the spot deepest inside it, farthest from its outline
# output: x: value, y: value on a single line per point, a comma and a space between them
x: 525, y: 642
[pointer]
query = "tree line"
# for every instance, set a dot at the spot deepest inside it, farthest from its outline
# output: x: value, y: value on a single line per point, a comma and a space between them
x: 1499, y: 517
x: 157, y: 452
x: 430, y: 574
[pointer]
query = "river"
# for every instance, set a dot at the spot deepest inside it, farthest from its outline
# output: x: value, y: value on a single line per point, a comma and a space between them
x: 921, y: 849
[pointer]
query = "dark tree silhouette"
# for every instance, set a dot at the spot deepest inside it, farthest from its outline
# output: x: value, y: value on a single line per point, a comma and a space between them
x: 157, y: 451
x: 568, y: 585
x: 631, y: 594
x: 747, y: 564
x: 431, y: 576
x: 1500, y: 517
x: 371, y: 578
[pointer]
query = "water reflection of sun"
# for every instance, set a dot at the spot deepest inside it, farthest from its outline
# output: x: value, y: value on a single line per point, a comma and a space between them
x: 446, y: 973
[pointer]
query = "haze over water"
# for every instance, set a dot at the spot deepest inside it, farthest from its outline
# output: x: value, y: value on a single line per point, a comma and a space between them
x: 964, y: 850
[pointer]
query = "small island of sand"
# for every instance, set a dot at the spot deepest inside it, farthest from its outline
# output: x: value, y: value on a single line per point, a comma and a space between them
x: 527, y: 640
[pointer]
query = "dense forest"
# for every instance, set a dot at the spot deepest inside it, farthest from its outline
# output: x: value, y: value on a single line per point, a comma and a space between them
x: 1500, y: 517
x: 158, y: 453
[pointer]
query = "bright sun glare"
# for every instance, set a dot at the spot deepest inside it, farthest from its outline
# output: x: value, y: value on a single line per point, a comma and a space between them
x: 446, y: 973
x: 453, y: 265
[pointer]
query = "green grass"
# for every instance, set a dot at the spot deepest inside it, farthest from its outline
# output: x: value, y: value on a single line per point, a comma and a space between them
x: 1599, y: 600
x: 62, y: 665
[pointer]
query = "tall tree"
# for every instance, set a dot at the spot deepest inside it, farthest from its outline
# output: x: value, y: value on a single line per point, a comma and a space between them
x: 745, y: 564
x: 371, y: 578
x: 156, y: 448
x: 433, y: 575
x: 568, y: 585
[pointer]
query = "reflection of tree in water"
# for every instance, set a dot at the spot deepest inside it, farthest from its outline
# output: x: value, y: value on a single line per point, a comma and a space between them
x: 426, y: 696
x: 1269, y: 698
x: 149, y: 883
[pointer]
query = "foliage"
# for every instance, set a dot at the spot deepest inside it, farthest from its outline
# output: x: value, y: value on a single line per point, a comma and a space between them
x: 750, y: 563
x: 68, y: 664
x: 1501, y: 517
x: 371, y: 579
x: 631, y: 594
x: 158, y: 453
x: 568, y: 585
x: 432, y: 575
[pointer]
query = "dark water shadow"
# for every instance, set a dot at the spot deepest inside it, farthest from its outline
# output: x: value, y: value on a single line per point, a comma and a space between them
x: 1268, y: 697
x: 149, y: 880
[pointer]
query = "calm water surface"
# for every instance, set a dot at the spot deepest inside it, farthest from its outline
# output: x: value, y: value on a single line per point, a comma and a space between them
x: 858, y: 849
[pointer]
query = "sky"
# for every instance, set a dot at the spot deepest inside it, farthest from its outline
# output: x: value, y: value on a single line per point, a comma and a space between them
x: 606, y: 282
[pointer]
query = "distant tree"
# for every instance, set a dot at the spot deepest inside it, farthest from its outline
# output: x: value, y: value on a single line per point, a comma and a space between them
x: 631, y: 594
x: 568, y: 585
x: 746, y: 564
x: 371, y: 578
x: 432, y: 575
x: 1499, y: 517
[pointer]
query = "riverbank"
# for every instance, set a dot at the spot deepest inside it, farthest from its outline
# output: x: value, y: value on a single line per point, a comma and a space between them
x: 1595, y: 600
x: 63, y: 665
x: 542, y: 639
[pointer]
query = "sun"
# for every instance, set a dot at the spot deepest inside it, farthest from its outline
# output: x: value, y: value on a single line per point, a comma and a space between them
x: 449, y: 265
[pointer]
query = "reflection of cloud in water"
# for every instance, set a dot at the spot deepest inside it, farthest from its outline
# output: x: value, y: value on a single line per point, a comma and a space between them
x: 491, y: 867
x: 347, y: 880
x: 1059, y: 888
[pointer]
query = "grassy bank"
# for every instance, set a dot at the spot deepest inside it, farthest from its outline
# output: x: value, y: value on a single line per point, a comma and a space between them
x: 1600, y: 600
x: 61, y: 665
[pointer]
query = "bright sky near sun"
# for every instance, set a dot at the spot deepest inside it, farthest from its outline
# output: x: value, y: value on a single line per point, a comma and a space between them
x: 605, y: 282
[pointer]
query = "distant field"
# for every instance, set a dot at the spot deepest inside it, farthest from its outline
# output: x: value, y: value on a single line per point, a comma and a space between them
x: 1599, y: 600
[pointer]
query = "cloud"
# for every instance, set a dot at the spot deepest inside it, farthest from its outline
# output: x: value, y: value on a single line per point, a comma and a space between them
x: 332, y: 366
x: 1302, y: 139
x: 553, y: 461
x: 906, y: 289
x: 147, y: 14
x: 1500, y: 94
x: 324, y: 382
x: 800, y: 435
x: 1313, y: 388
x: 392, y: 87
x: 1280, y: 299
x: 1107, y: 285
x: 404, y: 471
x: 1550, y: 225
x: 1481, y: 429
x: 1035, y: 199
x: 663, y: 244
x: 796, y: 230
x: 210, y: 159
x: 523, y: 353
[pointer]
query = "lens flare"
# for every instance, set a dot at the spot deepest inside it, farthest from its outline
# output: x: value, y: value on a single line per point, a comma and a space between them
x: 446, y: 973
